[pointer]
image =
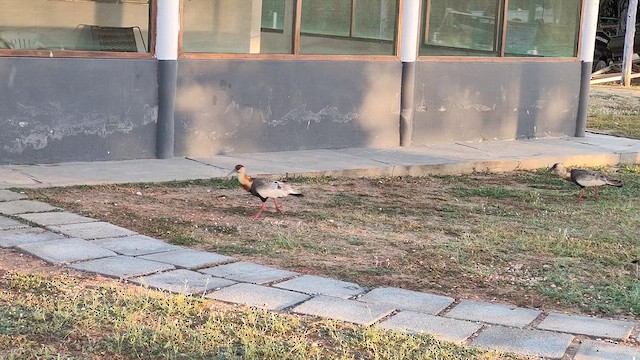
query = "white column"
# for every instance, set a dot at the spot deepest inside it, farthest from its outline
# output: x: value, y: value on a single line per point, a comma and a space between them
x: 410, y: 30
x: 408, y: 55
x: 256, y: 26
x: 629, y: 38
x: 167, y: 32
x: 587, y: 45
x: 589, y: 29
x: 167, y: 29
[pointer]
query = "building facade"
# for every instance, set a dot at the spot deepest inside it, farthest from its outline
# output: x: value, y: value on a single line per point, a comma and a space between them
x: 85, y: 80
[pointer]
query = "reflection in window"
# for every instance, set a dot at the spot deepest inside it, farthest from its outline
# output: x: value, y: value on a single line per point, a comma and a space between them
x: 75, y: 25
x: 543, y: 27
x: 326, y: 17
x: 339, y: 27
x: 273, y: 14
x: 349, y: 27
x: 375, y: 19
x: 238, y: 26
x: 461, y: 27
x: 474, y: 27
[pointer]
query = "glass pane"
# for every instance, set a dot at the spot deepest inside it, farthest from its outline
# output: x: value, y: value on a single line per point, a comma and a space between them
x: 75, y: 25
x: 331, y: 27
x: 543, y: 27
x: 462, y: 27
x: 238, y: 26
x: 273, y: 14
x: 375, y: 19
x: 327, y: 17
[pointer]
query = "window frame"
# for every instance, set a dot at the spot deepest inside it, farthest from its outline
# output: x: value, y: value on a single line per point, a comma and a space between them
x: 296, y: 42
x: 153, y: 11
x: 501, y: 56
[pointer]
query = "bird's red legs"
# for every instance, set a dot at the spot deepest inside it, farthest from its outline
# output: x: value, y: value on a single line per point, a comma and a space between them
x: 262, y: 207
x: 596, y: 189
x: 581, y: 195
x: 278, y: 208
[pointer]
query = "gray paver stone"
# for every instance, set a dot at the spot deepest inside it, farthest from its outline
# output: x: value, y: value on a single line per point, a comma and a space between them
x: 122, y: 266
x: 316, y: 285
x: 183, y: 281
x: 440, y: 327
x: 522, y: 341
x: 403, y: 299
x: 135, y: 245
x: 493, y: 313
x: 598, y: 350
x: 64, y: 251
x: 24, y: 206
x: 248, y: 272
x: 56, y: 218
x: 8, y: 224
x: 8, y: 195
x: 584, y: 325
x: 188, y: 258
x: 92, y: 230
x: 343, y: 309
x: 9, y: 238
x: 258, y: 296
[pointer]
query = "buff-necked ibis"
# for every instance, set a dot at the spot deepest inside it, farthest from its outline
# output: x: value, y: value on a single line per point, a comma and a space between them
x: 585, y: 178
x: 264, y: 188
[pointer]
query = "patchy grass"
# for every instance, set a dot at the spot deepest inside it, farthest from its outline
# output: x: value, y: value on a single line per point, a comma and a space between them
x: 58, y: 316
x: 618, y: 125
x: 615, y: 110
x: 519, y: 238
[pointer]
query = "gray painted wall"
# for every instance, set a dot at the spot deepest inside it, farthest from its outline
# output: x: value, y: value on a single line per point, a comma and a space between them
x: 59, y: 110
x: 55, y: 110
x: 476, y: 101
x: 239, y: 106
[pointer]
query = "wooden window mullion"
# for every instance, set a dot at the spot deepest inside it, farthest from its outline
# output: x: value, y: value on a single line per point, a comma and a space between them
x: 297, y: 27
x: 352, y: 27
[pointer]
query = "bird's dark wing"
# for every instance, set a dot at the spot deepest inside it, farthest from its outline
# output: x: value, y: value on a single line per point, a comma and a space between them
x: 585, y: 178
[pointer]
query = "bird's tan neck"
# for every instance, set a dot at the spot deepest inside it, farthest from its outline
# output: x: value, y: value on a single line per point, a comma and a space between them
x: 565, y: 174
x: 244, y: 180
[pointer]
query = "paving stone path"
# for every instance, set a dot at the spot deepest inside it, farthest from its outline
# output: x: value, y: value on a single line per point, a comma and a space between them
x: 86, y: 244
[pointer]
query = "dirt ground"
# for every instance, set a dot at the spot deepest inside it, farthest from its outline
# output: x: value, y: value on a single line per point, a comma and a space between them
x: 426, y: 234
x: 312, y: 236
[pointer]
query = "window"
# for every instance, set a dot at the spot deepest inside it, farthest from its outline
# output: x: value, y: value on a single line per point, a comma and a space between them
x: 542, y: 27
x: 238, y: 26
x: 475, y: 28
x: 348, y: 27
x: 75, y: 25
x: 462, y: 27
x: 273, y: 14
x: 336, y: 27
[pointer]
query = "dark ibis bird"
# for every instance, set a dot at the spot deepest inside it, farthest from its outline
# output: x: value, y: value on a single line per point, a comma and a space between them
x: 585, y: 178
x: 264, y: 188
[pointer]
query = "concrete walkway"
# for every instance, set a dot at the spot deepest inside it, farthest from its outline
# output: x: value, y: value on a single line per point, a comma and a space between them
x: 86, y: 244
x: 594, y: 150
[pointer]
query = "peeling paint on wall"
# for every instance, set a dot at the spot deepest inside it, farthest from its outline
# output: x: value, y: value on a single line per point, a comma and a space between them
x: 235, y: 106
x: 478, y: 101
x: 77, y: 109
x: 302, y: 115
x: 27, y: 131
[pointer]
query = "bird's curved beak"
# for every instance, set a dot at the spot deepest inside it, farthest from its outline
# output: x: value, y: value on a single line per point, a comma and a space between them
x: 230, y: 173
